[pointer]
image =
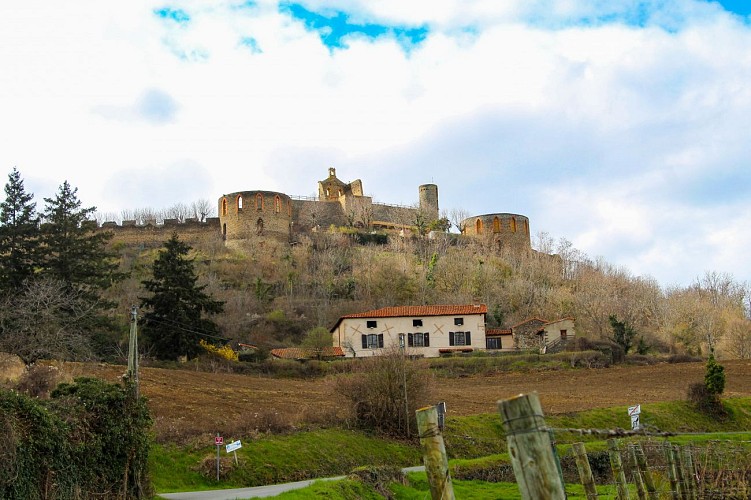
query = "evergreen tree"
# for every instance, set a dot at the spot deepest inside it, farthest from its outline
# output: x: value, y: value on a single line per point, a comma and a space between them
x: 73, y: 250
x: 714, y: 377
x: 174, y: 323
x: 19, y: 233
x: 623, y: 333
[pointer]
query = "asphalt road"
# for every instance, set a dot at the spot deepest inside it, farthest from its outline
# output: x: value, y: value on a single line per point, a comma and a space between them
x: 257, y: 491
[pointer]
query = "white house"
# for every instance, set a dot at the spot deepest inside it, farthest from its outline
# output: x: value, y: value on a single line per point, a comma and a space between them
x: 427, y: 331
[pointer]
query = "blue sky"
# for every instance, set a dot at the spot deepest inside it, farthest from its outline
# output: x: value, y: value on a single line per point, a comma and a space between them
x: 620, y: 125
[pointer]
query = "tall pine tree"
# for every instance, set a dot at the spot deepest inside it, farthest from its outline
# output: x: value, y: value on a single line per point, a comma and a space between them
x: 174, y: 322
x: 73, y: 249
x: 19, y: 235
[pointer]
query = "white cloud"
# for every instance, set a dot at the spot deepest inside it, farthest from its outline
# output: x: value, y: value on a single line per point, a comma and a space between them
x: 627, y: 137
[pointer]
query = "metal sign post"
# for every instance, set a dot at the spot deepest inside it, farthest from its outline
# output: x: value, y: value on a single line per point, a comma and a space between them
x: 218, y: 442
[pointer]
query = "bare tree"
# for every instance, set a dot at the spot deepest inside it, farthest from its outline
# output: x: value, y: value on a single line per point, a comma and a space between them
x: 43, y: 321
x: 202, y: 209
x: 178, y: 211
x: 457, y: 216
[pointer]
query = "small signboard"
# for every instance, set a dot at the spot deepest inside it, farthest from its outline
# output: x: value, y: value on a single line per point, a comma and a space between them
x: 234, y: 445
x: 634, y: 412
x: 218, y: 440
x: 441, y: 410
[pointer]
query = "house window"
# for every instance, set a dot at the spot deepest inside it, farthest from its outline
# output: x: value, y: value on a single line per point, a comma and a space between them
x: 416, y: 322
x: 564, y: 333
x: 478, y: 226
x: 259, y: 201
x: 460, y: 338
x: 496, y: 225
x: 372, y: 341
x: 458, y: 321
x: 277, y: 204
x: 402, y: 344
x: 240, y: 202
x: 418, y: 340
x: 224, y: 206
x: 493, y: 343
x: 372, y: 324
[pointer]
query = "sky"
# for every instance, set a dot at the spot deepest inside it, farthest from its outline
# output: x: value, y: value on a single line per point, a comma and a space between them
x: 622, y: 126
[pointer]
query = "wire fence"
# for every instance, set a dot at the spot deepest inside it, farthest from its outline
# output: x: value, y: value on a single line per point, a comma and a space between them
x: 703, y: 469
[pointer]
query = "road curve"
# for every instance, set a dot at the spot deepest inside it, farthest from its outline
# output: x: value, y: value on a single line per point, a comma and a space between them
x: 257, y: 491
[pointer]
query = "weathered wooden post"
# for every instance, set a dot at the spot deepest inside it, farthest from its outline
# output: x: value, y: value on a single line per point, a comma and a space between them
x: 681, y: 480
x: 672, y: 474
x: 641, y: 492
x: 535, y: 464
x: 616, y: 465
x: 434, y: 454
x: 646, y: 475
x: 585, y: 471
x: 689, y: 473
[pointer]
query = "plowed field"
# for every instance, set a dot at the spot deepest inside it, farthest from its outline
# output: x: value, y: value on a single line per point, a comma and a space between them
x: 186, y: 403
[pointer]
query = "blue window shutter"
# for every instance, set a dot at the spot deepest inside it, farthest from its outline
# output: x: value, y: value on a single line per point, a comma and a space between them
x: 380, y: 340
x: 469, y: 339
x: 427, y: 340
x: 364, y: 341
x: 451, y: 338
x: 410, y: 340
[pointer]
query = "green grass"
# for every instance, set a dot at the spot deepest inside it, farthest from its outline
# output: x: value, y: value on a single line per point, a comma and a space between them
x: 277, y: 459
x: 476, y: 447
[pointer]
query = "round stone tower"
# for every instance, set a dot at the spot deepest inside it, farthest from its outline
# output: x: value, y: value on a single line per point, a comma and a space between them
x: 429, y: 200
x: 505, y: 229
x: 252, y: 214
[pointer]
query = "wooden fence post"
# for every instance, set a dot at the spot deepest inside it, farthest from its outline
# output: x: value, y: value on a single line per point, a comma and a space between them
x: 434, y: 454
x: 617, y: 466
x: 672, y: 473
x: 678, y: 461
x: 638, y: 479
x: 646, y: 475
x: 585, y: 471
x: 536, y: 467
x: 689, y: 473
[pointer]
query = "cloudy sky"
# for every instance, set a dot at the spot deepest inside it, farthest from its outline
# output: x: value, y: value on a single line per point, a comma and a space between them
x: 623, y: 126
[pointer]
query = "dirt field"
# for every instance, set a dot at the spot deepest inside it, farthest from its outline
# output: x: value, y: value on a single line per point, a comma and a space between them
x: 187, y: 403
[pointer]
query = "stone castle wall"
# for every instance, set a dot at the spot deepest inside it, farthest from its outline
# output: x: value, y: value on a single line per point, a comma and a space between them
x: 152, y: 234
x: 504, y: 228
x: 313, y: 214
x: 246, y: 214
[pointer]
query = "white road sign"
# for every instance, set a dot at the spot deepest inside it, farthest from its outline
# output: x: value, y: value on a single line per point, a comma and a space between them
x: 235, y: 445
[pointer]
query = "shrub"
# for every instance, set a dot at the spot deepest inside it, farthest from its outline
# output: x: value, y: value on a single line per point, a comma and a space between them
x: 613, y: 351
x: 385, y: 391
x: 705, y: 400
x: 90, y: 440
x: 253, y: 355
x: 39, y: 380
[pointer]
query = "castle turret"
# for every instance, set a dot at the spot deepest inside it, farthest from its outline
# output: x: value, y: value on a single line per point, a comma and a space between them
x: 429, y: 200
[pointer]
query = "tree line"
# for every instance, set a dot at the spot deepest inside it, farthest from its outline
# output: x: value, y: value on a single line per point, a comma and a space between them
x: 57, y: 270
x: 71, y: 284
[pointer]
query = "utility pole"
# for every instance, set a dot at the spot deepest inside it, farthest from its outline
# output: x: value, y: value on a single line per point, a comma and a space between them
x: 133, y: 349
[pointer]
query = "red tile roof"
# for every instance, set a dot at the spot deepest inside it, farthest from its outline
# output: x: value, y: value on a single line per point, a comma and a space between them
x: 301, y: 353
x: 417, y: 311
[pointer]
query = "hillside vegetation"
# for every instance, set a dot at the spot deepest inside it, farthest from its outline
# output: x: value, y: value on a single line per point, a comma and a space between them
x: 275, y: 293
